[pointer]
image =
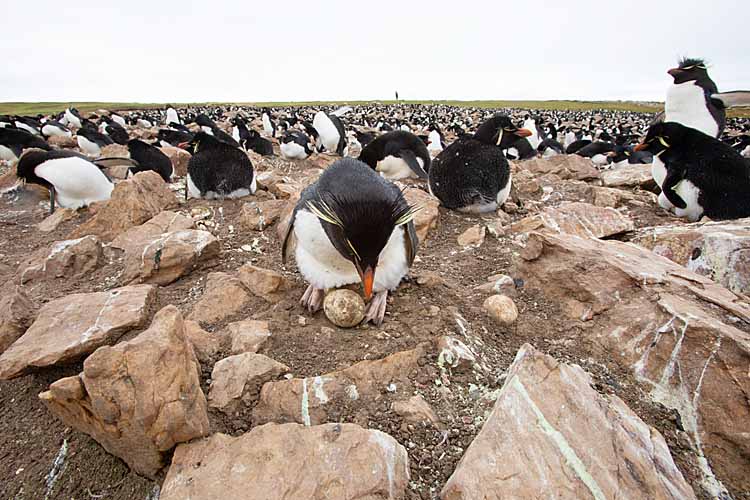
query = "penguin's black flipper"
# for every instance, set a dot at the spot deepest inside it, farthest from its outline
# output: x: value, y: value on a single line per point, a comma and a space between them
x: 411, y: 159
x: 115, y: 161
x: 412, y: 242
x: 673, y: 178
x: 733, y: 99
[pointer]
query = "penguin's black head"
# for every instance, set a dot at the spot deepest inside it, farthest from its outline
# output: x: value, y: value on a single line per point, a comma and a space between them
x: 500, y: 131
x: 359, y: 228
x: 690, y: 70
x: 200, y: 141
x: 661, y: 137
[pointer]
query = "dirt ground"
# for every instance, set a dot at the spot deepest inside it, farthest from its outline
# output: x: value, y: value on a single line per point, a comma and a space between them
x: 31, y: 438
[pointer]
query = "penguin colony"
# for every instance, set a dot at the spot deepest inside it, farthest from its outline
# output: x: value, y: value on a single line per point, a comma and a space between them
x: 353, y: 225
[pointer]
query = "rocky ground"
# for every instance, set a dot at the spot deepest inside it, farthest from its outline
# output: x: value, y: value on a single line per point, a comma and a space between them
x: 606, y: 369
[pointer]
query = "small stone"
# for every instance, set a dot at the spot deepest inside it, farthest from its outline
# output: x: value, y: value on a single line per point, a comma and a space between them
x: 501, y: 309
x: 474, y: 236
x: 344, y: 308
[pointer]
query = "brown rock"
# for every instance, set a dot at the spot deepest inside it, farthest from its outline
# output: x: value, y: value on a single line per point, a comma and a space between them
x: 68, y: 328
x: 266, y: 180
x: 164, y: 222
x: 551, y: 432
x: 581, y: 219
x: 168, y: 256
x: 455, y: 354
x: 139, y: 398
x: 205, y: 344
x: 474, y: 236
x: 58, y: 217
x: 284, y: 190
x: 63, y: 259
x: 115, y: 151
x: 133, y: 202
x: 307, y: 400
x: 264, y: 283
x: 237, y: 380
x: 416, y: 410
x: 501, y: 309
x: 60, y: 142
x: 248, y: 335
x: 179, y: 158
x: 224, y: 296
x: 668, y: 326
x: 718, y: 250
x: 427, y: 217
x: 275, y: 462
x: 17, y: 312
x: 629, y: 176
x: 564, y: 166
x: 257, y: 216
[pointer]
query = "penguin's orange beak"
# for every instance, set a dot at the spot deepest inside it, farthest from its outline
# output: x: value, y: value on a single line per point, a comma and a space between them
x: 523, y: 132
x: 368, y: 278
x: 183, y: 145
x: 640, y: 147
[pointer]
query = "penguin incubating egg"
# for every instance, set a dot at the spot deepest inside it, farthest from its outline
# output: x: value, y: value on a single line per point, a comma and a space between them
x: 472, y: 174
x: 149, y: 157
x: 295, y: 145
x: 218, y: 170
x: 331, y: 134
x: 352, y: 226
x: 397, y: 155
x: 168, y: 137
x: 51, y: 128
x: 254, y: 142
x: 113, y: 129
x: 72, y: 180
x: 704, y: 175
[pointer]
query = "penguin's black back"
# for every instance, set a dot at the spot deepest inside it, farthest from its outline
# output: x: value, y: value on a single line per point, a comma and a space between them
x: 99, y: 139
x: 17, y: 140
x: 468, y: 172
x: 342, y: 133
x: 576, y: 145
x: 255, y: 142
x: 721, y: 174
x: 149, y: 158
x: 391, y: 143
x: 117, y: 133
x: 219, y: 167
x: 174, y: 137
x: 595, y: 148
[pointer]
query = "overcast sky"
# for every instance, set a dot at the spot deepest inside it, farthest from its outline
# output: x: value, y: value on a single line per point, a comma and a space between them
x: 241, y: 51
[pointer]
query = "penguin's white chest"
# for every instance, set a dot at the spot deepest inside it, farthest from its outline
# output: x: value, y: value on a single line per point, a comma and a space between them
x: 570, y: 138
x: 394, y: 168
x: 7, y: 154
x: 293, y: 151
x: 328, y: 134
x: 659, y: 173
x: 77, y: 182
x: 172, y: 116
x: 72, y: 119
x: 324, y: 267
x: 89, y: 147
x: 51, y: 130
x: 686, y: 104
x: 267, y: 127
x: 236, y: 134
x: 689, y: 192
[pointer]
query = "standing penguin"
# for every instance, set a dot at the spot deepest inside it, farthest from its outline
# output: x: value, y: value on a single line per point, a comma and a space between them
x: 172, y: 116
x: 218, y: 170
x: 689, y: 100
x: 352, y: 226
x: 295, y: 145
x: 269, y: 127
x: 397, y: 155
x: 149, y: 158
x: 331, y: 134
x: 472, y: 174
x: 72, y: 180
x: 704, y: 176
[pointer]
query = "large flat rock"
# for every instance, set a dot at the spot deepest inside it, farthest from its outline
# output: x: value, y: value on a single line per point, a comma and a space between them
x: 68, y: 328
x: 681, y: 334
x: 550, y: 434
x: 275, y: 462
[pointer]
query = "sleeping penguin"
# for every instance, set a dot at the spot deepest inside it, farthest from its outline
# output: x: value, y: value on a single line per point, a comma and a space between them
x: 73, y: 181
x: 397, y: 155
x: 352, y: 226
x: 472, y: 174
x: 14, y: 141
x: 704, y: 175
x: 91, y: 142
x: 217, y: 169
x: 295, y: 145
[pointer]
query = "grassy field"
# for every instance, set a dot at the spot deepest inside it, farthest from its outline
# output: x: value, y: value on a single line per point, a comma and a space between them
x: 33, y: 108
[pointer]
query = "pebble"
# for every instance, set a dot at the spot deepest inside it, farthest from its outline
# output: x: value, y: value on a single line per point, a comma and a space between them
x: 501, y: 309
